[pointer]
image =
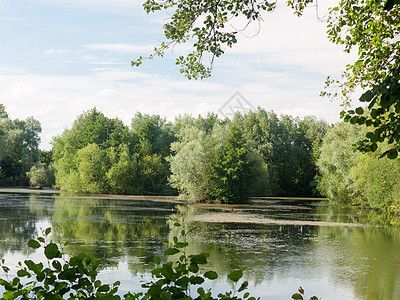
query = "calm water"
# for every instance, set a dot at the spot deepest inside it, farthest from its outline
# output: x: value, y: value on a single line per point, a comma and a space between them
x: 333, y: 262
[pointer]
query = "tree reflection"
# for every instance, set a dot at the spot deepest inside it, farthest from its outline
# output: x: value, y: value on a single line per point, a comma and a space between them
x: 111, y: 230
x: 17, y: 223
x: 367, y: 257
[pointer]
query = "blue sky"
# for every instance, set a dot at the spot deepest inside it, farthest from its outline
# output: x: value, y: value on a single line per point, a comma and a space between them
x: 59, y: 58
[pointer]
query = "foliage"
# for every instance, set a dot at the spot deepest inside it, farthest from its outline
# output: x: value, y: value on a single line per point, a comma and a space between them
x: 76, y: 277
x: 370, y: 27
x: 230, y: 174
x: 354, y: 177
x: 288, y: 146
x: 336, y: 161
x: 59, y: 278
x: 41, y: 175
x: 205, y: 23
x: 215, y: 165
x: 101, y: 155
x: 300, y: 295
x: 19, y: 141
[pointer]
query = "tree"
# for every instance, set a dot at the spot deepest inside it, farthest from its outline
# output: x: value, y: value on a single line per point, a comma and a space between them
x: 230, y: 175
x: 204, y: 22
x: 19, y: 142
x: 40, y: 175
x: 336, y: 161
x: 217, y: 164
x: 288, y: 146
x: 359, y: 178
x: 368, y: 26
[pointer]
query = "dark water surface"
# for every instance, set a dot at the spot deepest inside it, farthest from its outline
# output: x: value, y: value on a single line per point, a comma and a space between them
x: 332, y: 262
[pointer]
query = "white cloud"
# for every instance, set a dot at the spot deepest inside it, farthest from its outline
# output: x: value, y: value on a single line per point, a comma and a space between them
x: 57, y: 100
x: 118, y: 6
x: 124, y: 48
x: 56, y: 51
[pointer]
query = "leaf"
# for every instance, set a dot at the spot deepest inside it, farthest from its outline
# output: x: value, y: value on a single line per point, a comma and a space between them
x: 157, y: 260
x: 367, y: 96
x: 392, y: 154
x: 182, y: 282
x: 297, y: 296
x: 23, y: 273
x: 47, y: 231
x: 34, y: 244
x: 57, y: 265
x: 51, y: 251
x: 236, y: 275
x: 212, y: 275
x: 171, y: 251
x: 196, y: 280
x: 199, y: 259
x: 244, y: 286
x: 359, y: 110
x: 104, y: 288
x: 193, y: 267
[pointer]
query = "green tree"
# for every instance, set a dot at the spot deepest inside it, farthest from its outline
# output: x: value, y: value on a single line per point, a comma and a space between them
x: 218, y: 164
x: 190, y: 163
x: 92, y: 166
x: 19, y: 141
x: 37, y: 176
x: 369, y: 27
x: 96, y: 132
x: 288, y: 146
x: 123, y: 174
x: 336, y: 161
x: 230, y: 175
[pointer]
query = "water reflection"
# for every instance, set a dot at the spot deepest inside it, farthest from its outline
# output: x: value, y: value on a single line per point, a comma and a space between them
x: 332, y: 262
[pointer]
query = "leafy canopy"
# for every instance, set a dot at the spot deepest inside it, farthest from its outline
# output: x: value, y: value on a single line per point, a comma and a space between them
x: 369, y: 27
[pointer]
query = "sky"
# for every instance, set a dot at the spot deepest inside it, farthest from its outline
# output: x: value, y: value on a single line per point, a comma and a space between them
x: 59, y: 58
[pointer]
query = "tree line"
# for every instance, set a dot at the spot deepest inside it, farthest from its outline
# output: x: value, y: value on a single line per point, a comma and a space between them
x: 202, y: 158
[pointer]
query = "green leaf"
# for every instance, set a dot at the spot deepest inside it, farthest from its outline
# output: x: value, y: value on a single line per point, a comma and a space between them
x: 23, y: 273
x: 8, y: 295
x: 51, y: 251
x: 235, y: 275
x: 297, y: 296
x: 366, y: 97
x: 154, y: 291
x: 199, y: 259
x: 157, y: 260
x: 196, y: 280
x: 359, y: 110
x: 97, y: 283
x: 104, y: 288
x: 171, y: 251
x: 193, y: 267
x: 212, y: 275
x: 57, y: 265
x: 354, y: 120
x: 244, y: 286
x: 373, y: 147
x: 34, y: 244
x: 47, y: 232
x: 392, y: 154
x: 182, y: 282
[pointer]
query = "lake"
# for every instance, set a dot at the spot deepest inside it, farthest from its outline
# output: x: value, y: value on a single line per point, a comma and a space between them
x: 332, y: 251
